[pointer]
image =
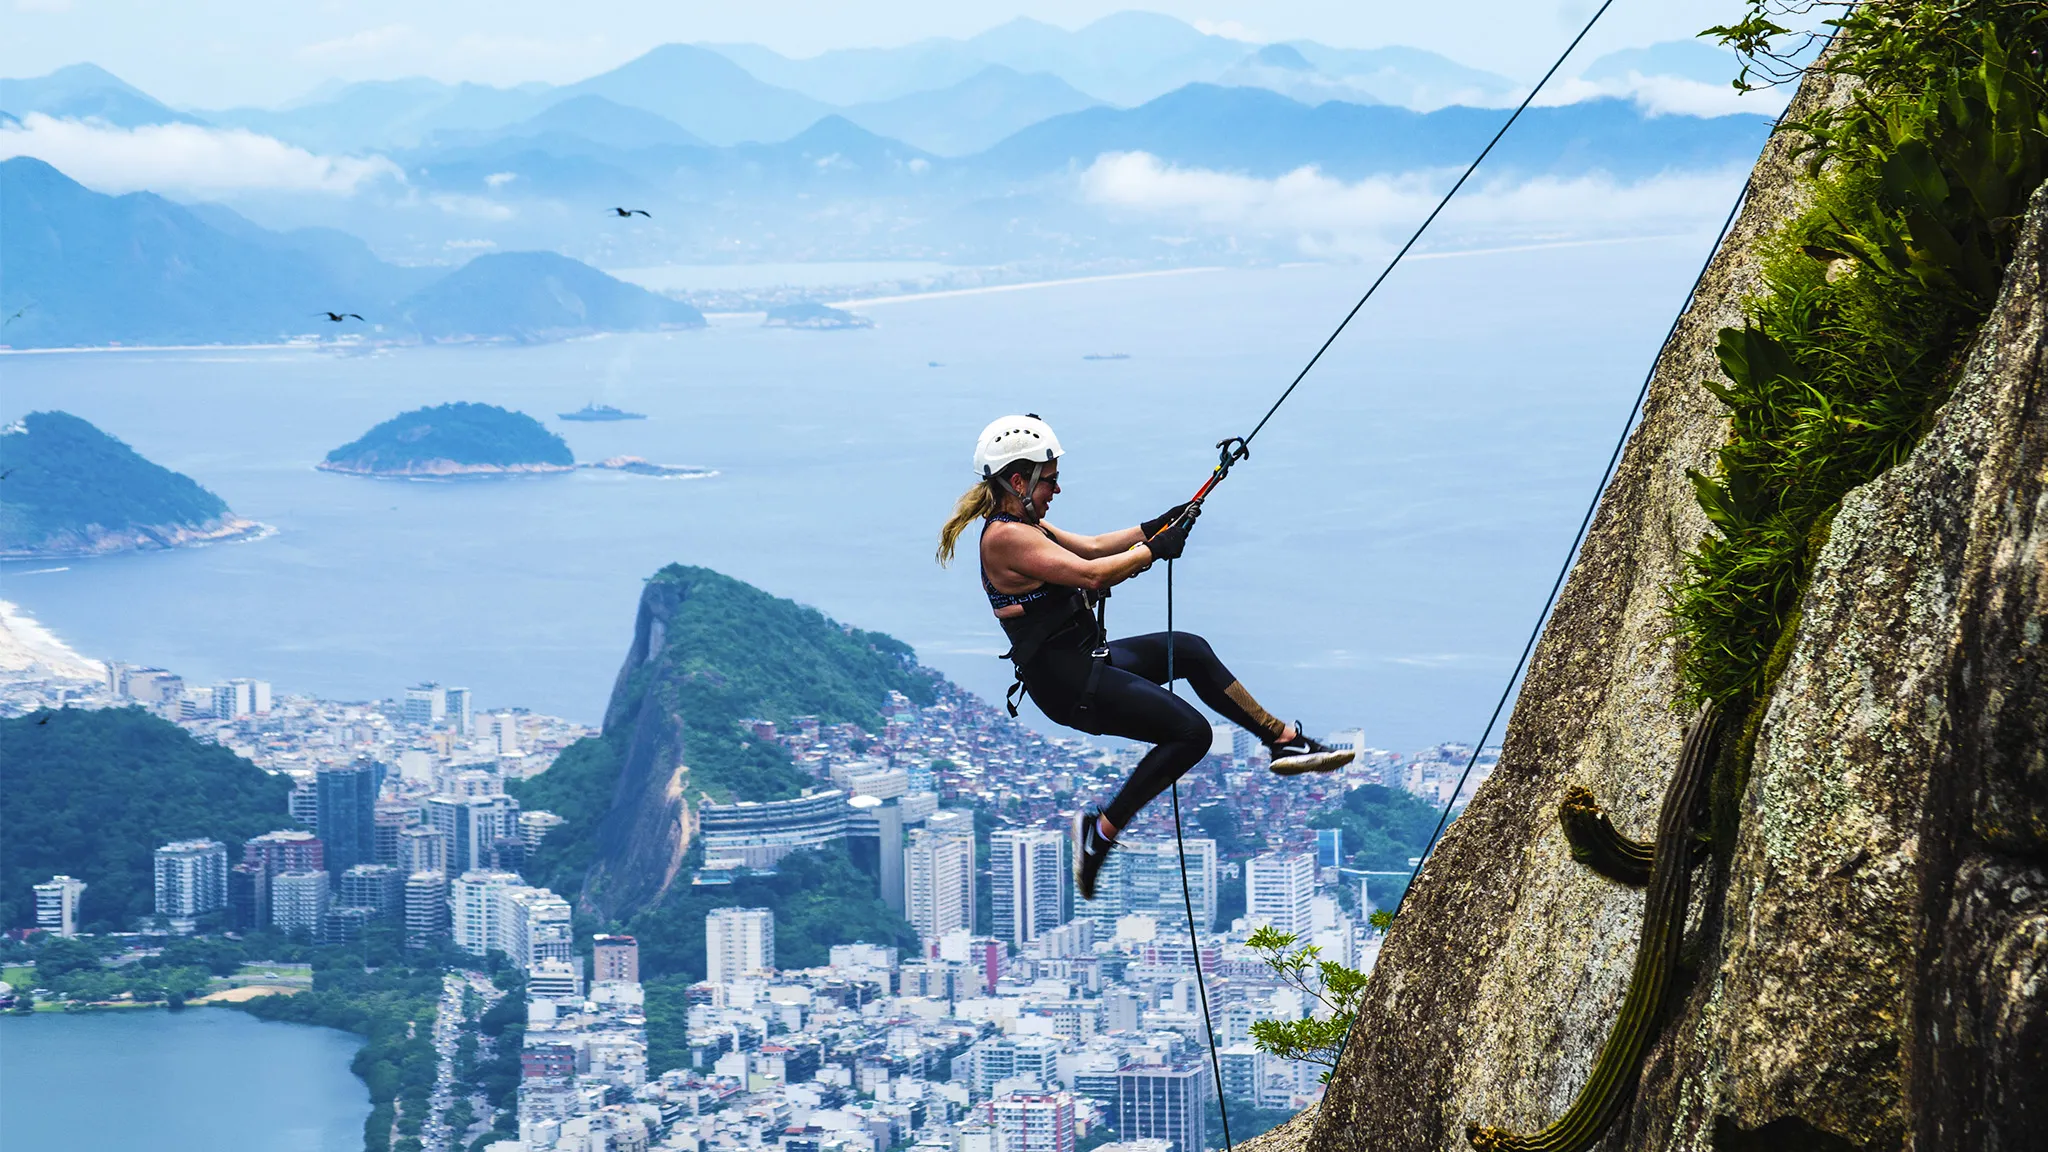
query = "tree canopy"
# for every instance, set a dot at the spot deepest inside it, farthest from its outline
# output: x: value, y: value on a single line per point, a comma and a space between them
x: 93, y: 794
x: 64, y: 474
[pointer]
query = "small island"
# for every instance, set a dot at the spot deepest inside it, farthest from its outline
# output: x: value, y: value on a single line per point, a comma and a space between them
x: 594, y: 411
x: 817, y: 317
x: 454, y: 440
x: 71, y: 490
x: 639, y: 466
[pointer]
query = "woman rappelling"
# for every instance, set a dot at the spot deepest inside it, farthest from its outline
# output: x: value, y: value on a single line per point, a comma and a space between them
x: 1044, y: 583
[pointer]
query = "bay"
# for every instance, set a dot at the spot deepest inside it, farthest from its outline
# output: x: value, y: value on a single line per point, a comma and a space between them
x: 202, y: 1080
x: 1376, y: 563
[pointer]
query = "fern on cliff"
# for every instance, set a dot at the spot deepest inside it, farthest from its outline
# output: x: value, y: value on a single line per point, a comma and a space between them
x: 1872, y: 296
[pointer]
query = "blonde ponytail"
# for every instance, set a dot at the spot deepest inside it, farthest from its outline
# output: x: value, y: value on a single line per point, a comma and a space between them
x: 977, y: 503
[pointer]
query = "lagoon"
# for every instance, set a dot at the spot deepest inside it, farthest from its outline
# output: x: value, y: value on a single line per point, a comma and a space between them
x: 202, y: 1080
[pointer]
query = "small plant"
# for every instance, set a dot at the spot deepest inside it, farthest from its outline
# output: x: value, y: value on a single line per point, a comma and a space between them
x: 1337, y: 989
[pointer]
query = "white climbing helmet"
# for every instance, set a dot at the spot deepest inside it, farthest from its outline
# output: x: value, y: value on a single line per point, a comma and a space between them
x: 1012, y: 439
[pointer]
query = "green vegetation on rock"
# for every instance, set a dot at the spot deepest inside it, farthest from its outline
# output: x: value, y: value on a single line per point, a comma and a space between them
x: 94, y: 794
x: 577, y: 787
x: 731, y: 652
x: 449, y: 438
x: 69, y: 483
x: 710, y: 652
x: 1872, y: 296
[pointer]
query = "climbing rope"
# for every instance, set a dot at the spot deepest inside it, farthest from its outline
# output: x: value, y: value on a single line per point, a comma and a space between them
x: 1188, y: 900
x: 1571, y: 553
x: 1238, y: 448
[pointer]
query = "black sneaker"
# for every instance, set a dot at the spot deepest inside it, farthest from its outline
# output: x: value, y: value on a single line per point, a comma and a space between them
x: 1091, y: 848
x: 1304, y: 753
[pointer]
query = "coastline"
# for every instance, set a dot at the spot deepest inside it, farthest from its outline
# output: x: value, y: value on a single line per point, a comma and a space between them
x: 994, y: 288
x: 83, y: 546
x: 445, y: 470
x: 26, y: 645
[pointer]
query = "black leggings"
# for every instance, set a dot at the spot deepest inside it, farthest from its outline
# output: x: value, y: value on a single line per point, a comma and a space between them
x: 1130, y: 702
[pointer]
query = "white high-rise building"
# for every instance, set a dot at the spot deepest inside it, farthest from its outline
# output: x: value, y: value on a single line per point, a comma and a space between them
x: 507, y: 732
x: 426, y: 704
x: 738, y: 942
x: 1034, y: 1121
x: 473, y: 826
x: 474, y: 909
x: 1280, y: 889
x: 299, y: 900
x: 191, y: 881
x: 1143, y: 877
x: 938, y: 882
x: 234, y: 698
x: 533, y: 925
x: 57, y: 904
x: 1030, y: 890
x: 456, y: 703
x: 422, y: 849
x: 426, y: 907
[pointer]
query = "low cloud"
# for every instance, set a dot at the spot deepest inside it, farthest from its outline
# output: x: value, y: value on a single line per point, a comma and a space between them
x: 370, y: 42
x: 1230, y: 30
x: 185, y: 158
x: 1320, y: 216
x: 1670, y: 95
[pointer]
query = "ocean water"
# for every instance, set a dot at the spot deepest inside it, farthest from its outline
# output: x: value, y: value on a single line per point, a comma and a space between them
x: 1377, y: 562
x: 203, y: 1080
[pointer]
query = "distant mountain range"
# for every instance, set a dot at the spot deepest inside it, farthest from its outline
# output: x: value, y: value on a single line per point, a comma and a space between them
x: 1262, y: 133
x: 946, y: 96
x: 86, y: 269
x: 1245, y: 130
x: 966, y: 151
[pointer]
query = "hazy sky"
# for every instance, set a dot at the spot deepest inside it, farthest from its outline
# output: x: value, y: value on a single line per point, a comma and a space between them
x: 214, y: 53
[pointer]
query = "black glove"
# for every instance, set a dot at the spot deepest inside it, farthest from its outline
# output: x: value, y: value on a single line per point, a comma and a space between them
x: 1151, y: 527
x: 1167, y: 543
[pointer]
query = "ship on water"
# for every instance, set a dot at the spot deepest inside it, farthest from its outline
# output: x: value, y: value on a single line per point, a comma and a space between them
x: 596, y: 411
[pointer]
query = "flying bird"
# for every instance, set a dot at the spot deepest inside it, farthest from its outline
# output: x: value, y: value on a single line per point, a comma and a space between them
x: 338, y: 317
x: 632, y: 212
x: 18, y: 315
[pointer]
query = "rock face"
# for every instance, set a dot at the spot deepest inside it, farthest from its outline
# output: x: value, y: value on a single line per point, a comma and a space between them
x: 648, y: 830
x: 1871, y: 971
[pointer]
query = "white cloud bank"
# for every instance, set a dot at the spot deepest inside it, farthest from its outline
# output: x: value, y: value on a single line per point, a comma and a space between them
x: 185, y: 158
x: 1321, y: 216
x: 1663, y: 95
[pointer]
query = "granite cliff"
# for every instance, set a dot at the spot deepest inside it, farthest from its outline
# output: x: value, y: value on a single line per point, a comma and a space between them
x: 1865, y: 960
x: 707, y: 653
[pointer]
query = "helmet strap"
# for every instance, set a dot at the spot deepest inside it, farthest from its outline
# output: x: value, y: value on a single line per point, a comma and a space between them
x: 1031, y: 487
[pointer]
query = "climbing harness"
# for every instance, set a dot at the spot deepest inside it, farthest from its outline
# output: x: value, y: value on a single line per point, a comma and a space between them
x: 1238, y: 448
x: 1051, y: 612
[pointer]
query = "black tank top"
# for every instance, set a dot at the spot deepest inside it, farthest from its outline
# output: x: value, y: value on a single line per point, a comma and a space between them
x: 1054, y: 616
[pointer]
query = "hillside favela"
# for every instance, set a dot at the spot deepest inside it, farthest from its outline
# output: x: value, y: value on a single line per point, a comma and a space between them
x: 823, y: 578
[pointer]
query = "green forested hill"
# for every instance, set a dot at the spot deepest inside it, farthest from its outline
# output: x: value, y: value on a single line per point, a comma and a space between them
x: 1383, y: 827
x: 730, y: 651
x: 94, y: 794
x: 63, y: 475
x: 709, y: 651
x: 470, y: 435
